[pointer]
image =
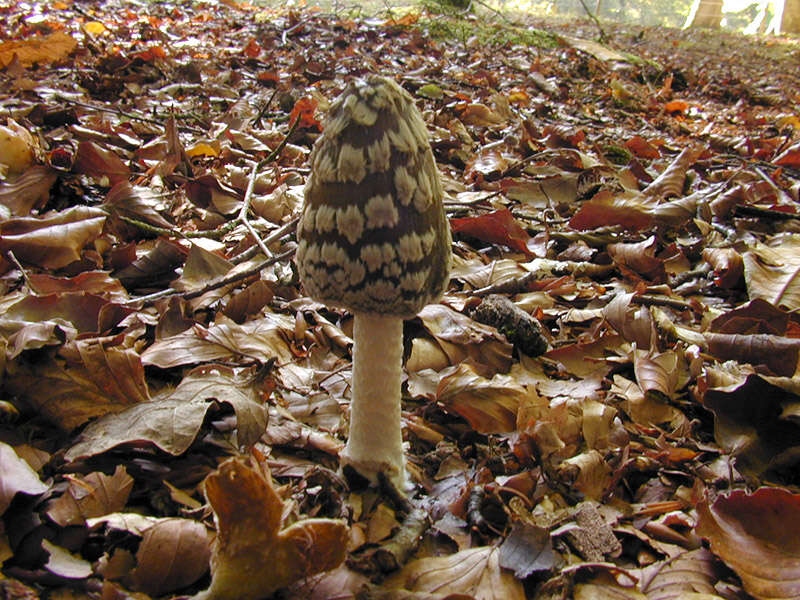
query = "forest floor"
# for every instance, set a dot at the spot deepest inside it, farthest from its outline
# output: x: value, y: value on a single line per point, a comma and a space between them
x: 173, y: 405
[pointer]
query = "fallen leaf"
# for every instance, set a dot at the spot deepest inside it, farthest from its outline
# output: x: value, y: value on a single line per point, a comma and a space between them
x: 262, y: 340
x: 16, y: 476
x: 498, y: 227
x: 490, y: 405
x: 527, y: 550
x: 475, y: 572
x: 173, y: 554
x: 758, y: 536
x: 47, y: 49
x: 172, y: 423
x: 771, y: 272
x: 53, y: 241
x: 91, y: 496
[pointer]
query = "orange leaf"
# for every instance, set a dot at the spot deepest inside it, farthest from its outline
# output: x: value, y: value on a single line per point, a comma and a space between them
x: 498, y: 227
x: 252, y: 49
x: 790, y: 158
x: 605, y: 209
x: 642, y: 148
x: 676, y: 106
x: 304, y: 110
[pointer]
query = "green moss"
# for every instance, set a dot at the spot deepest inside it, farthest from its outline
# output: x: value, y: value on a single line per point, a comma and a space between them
x: 461, y: 28
x: 617, y: 154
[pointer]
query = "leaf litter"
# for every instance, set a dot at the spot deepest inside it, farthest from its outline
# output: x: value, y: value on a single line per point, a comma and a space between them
x: 173, y: 405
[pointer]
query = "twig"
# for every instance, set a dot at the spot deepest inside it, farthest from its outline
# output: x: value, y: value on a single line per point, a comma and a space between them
x: 603, y: 36
x: 257, y: 119
x: 115, y: 111
x: 248, y: 195
x: 151, y: 298
x: 274, y: 236
x: 763, y: 213
x: 22, y: 270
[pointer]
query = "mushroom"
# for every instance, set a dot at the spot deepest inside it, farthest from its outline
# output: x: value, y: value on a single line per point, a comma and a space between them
x: 373, y: 239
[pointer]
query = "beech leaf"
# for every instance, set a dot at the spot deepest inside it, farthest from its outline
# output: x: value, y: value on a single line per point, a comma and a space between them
x: 498, y: 227
x: 758, y: 536
x: 475, y: 571
x: 16, y: 476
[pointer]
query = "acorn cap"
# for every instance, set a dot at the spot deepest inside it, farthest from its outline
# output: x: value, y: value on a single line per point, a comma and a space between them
x: 373, y: 236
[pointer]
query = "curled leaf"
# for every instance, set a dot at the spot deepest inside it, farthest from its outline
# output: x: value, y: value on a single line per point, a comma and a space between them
x: 758, y: 536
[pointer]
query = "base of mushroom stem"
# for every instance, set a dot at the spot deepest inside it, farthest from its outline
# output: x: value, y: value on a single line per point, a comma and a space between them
x: 363, y: 474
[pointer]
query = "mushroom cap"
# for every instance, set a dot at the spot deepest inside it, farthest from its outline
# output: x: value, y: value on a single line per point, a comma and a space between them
x: 373, y: 236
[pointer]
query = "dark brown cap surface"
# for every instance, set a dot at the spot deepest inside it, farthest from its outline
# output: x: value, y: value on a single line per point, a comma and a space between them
x: 373, y: 236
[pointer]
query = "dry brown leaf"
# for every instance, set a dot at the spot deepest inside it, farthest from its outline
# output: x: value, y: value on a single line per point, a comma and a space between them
x: 461, y: 337
x: 100, y: 163
x: 645, y: 408
x: 490, y: 405
x: 172, y: 422
x: 250, y: 540
x: 588, y: 473
x: 728, y: 266
x: 687, y: 576
x: 135, y: 202
x: 657, y: 373
x: 779, y: 354
x: 201, y: 266
x: 98, y: 283
x: 631, y: 211
x: 771, y: 272
x: 249, y: 301
x: 763, y: 435
x: 476, y: 572
x: 261, y: 340
x: 640, y: 258
x: 757, y: 316
x: 66, y: 396
x: 173, y: 554
x: 155, y: 266
x: 527, y: 550
x: 116, y: 371
x: 587, y: 359
x: 16, y: 476
x: 94, y: 495
x: 53, y: 241
x: 28, y: 191
x: 758, y: 536
x: 63, y: 563
x: 671, y: 180
x: 633, y: 322
x: 47, y: 49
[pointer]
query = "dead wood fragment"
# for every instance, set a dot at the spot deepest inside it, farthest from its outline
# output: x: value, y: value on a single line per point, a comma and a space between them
x: 393, y: 554
x: 520, y: 328
x: 593, y: 538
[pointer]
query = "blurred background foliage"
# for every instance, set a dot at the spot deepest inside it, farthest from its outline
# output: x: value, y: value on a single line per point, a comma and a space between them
x: 737, y: 15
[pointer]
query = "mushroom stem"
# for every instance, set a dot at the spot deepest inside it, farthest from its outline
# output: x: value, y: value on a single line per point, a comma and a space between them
x: 375, y: 442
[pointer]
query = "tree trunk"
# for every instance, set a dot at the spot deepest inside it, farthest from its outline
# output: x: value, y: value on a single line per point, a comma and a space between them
x: 706, y: 13
x: 790, y: 23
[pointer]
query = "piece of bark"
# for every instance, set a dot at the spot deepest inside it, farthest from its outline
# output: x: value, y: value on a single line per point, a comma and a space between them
x: 593, y: 538
x: 520, y: 328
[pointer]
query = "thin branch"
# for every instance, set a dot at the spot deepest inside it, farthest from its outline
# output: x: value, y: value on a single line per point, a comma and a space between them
x: 272, y: 237
x: 248, y: 195
x: 22, y: 270
x: 603, y: 36
x: 214, y: 285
